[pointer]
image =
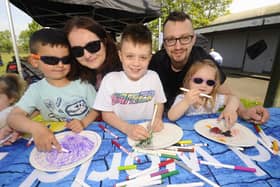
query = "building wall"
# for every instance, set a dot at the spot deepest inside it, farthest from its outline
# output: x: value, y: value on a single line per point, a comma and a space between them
x: 232, y: 45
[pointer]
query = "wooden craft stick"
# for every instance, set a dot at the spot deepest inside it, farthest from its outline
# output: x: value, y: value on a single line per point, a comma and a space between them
x: 202, y: 94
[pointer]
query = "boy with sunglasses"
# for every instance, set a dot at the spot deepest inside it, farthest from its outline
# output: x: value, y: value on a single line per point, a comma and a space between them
x: 55, y: 97
x: 131, y: 94
x: 200, y: 85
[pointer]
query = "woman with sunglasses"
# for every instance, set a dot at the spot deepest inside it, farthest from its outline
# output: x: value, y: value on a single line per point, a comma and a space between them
x: 200, y: 86
x: 94, y: 50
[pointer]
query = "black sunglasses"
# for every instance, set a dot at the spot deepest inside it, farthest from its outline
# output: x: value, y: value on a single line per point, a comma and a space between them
x: 92, y: 47
x: 52, y: 60
x: 198, y: 80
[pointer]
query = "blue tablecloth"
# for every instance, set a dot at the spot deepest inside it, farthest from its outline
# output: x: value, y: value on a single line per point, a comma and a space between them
x: 101, y: 170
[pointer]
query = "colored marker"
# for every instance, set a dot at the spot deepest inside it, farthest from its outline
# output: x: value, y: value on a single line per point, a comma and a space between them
x: 108, y: 131
x: 263, y: 135
x: 184, y: 165
x: 181, y: 149
x: 266, y: 146
x: 201, y: 94
x: 62, y: 149
x: 185, y: 142
x: 169, y: 156
x: 127, y: 167
x: 29, y: 142
x: 125, y: 150
x: 241, y: 168
x: 151, y: 169
x: 5, y: 139
x: 275, y: 146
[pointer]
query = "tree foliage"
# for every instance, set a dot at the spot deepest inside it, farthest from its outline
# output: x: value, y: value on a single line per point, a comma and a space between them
x: 202, y: 12
x: 25, y: 35
x: 5, y: 41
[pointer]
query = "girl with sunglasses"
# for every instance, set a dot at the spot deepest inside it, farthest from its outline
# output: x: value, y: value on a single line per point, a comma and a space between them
x: 200, y: 97
x: 94, y: 50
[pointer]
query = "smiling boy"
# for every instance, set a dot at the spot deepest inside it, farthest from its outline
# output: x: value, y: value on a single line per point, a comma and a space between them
x: 55, y: 97
x: 131, y: 94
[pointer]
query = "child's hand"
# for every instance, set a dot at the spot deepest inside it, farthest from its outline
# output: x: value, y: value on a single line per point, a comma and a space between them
x: 230, y: 118
x: 158, y: 125
x: 75, y: 125
x: 5, y: 132
x: 192, y: 96
x: 137, y: 132
x: 44, y: 139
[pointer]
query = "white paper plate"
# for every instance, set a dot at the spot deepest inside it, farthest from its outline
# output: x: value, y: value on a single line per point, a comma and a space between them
x: 168, y: 136
x: 241, y: 136
x: 84, y: 144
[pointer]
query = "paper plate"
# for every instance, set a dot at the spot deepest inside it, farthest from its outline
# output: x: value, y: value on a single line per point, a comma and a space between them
x: 169, y: 135
x: 82, y: 147
x: 241, y: 136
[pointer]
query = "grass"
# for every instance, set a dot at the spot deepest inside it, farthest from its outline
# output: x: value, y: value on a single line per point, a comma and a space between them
x: 7, y: 57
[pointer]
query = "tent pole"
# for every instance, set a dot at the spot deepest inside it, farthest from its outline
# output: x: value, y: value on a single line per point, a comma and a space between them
x: 12, y: 31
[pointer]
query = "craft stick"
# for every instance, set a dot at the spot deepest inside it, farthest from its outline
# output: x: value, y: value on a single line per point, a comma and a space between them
x: 193, y: 184
x: 108, y: 131
x: 185, y: 142
x: 82, y: 183
x: 126, y: 151
x: 151, y: 169
x: 184, y: 165
x: 150, y: 125
x: 5, y: 139
x: 241, y: 168
x: 127, y: 167
x: 202, y: 94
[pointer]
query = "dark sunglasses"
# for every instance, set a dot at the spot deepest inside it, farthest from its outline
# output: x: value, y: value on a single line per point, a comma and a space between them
x: 200, y: 81
x: 52, y: 60
x: 92, y: 47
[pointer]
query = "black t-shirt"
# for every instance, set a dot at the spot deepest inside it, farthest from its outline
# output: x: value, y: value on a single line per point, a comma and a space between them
x: 171, y: 80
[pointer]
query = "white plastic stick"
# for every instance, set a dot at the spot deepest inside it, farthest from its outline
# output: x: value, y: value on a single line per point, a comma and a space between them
x: 202, y: 94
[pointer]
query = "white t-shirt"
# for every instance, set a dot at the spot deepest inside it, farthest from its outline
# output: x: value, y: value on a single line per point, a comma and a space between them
x: 192, y: 110
x: 130, y: 100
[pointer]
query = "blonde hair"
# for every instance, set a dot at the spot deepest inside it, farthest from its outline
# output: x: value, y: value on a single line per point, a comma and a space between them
x: 197, y: 65
x: 12, y: 85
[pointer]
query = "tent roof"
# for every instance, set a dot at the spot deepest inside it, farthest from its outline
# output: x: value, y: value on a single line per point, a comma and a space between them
x: 112, y: 14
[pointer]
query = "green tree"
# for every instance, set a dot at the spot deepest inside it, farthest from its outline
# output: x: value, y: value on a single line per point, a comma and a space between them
x: 202, y: 12
x: 5, y: 41
x: 25, y: 35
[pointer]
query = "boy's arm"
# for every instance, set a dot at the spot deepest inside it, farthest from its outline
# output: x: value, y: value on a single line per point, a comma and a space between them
x: 43, y: 137
x: 77, y: 125
x: 135, y: 132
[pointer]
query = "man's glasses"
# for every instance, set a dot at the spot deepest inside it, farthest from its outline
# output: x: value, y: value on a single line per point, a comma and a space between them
x: 52, y: 60
x: 92, y: 47
x: 184, y: 40
x: 200, y: 81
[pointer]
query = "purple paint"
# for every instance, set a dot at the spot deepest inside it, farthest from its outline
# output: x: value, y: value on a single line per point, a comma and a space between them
x: 79, y: 147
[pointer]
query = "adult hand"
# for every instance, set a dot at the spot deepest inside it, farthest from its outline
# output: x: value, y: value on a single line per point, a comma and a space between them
x: 256, y: 114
